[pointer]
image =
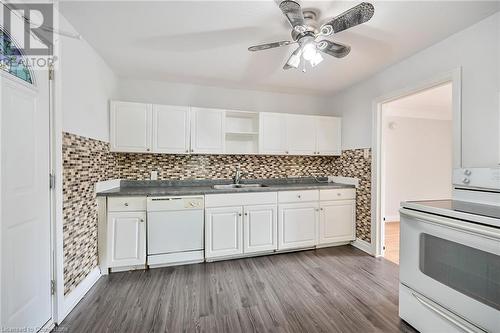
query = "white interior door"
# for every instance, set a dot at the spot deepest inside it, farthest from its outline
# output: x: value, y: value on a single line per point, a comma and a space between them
x: 25, y: 204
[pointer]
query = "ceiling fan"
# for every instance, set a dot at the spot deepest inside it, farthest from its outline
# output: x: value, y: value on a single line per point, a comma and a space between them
x: 309, y: 34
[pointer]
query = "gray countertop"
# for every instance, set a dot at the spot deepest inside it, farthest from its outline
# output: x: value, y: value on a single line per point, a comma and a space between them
x: 195, y: 187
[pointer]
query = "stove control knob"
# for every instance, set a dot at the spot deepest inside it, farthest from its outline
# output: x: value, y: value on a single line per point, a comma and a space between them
x: 467, y: 172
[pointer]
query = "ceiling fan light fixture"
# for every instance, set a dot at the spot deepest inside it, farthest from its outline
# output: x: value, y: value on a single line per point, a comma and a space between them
x: 309, y: 51
x: 294, y: 60
x: 318, y: 58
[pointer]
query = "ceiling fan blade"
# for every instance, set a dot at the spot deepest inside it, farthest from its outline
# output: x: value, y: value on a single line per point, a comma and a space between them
x: 294, y: 60
x: 334, y: 49
x: 293, y: 13
x: 356, y: 15
x: 269, y: 45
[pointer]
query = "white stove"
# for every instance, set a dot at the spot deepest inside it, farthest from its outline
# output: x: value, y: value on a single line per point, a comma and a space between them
x: 450, y: 258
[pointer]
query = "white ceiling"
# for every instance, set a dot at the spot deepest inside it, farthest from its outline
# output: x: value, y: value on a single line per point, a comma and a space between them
x: 434, y: 103
x: 205, y: 42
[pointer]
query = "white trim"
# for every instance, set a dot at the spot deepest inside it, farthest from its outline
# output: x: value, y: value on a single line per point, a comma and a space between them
x: 344, y: 180
x: 107, y: 185
x: 72, y: 299
x: 391, y: 219
x: 363, y: 246
x: 455, y: 77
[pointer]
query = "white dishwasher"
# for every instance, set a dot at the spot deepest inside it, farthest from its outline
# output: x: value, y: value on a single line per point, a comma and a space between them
x: 175, y: 228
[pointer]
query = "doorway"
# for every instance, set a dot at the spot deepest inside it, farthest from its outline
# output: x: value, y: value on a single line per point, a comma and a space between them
x: 416, y: 156
x: 25, y: 199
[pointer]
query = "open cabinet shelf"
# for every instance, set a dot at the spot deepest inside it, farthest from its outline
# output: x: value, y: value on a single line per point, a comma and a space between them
x: 242, y: 132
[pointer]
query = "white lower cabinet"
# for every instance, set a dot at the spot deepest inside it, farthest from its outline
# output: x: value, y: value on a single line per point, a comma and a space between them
x: 297, y: 225
x: 223, y: 231
x: 337, y: 221
x: 259, y: 228
x: 126, y: 239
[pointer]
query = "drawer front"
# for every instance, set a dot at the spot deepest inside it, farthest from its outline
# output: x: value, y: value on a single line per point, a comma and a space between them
x: 298, y: 196
x: 240, y: 199
x: 337, y: 194
x: 124, y: 204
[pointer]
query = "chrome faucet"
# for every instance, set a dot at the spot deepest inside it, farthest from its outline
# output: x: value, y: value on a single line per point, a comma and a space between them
x: 237, y: 176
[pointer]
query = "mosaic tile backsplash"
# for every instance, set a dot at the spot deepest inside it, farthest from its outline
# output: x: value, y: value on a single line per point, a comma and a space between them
x: 87, y: 161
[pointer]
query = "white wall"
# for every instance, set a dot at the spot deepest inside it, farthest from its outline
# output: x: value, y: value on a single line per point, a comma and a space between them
x: 86, y: 86
x: 162, y: 92
x: 476, y: 50
x: 417, y: 161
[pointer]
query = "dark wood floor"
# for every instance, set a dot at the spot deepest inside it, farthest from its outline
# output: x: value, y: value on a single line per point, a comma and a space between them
x: 337, y: 289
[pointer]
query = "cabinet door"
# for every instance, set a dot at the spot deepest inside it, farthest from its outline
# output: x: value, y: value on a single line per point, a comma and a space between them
x: 301, y: 134
x: 337, y: 221
x: 223, y: 231
x: 207, y: 131
x: 272, y: 133
x: 297, y: 225
x: 130, y: 127
x: 127, y: 238
x: 259, y: 228
x: 170, y: 129
x: 328, y: 135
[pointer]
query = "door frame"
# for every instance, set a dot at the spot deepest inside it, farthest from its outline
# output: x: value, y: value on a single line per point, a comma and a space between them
x: 454, y: 77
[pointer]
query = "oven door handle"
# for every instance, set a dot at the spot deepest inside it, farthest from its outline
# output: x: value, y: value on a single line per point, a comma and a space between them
x: 454, y: 223
x: 456, y: 320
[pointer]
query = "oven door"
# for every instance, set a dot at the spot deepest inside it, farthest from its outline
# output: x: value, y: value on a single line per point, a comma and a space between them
x: 453, y: 263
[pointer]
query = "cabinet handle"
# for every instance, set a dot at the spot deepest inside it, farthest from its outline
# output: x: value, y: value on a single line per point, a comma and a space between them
x: 147, y: 149
x: 246, y: 214
x: 299, y: 196
x: 239, y: 214
x: 187, y: 150
x: 286, y: 152
x: 142, y: 220
x: 321, y: 208
x: 126, y: 204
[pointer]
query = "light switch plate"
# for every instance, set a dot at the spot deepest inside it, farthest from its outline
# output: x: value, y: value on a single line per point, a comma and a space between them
x: 154, y: 175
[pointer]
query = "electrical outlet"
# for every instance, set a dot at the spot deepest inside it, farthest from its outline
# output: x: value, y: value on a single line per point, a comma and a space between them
x: 154, y: 175
x: 366, y: 153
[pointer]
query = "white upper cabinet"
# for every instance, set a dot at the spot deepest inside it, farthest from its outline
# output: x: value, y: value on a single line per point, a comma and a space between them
x: 301, y: 134
x: 130, y: 127
x: 170, y: 129
x: 143, y: 128
x: 272, y: 133
x: 328, y: 136
x: 207, y: 131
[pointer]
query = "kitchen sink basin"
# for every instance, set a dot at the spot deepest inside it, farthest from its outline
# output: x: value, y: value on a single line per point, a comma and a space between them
x: 230, y: 186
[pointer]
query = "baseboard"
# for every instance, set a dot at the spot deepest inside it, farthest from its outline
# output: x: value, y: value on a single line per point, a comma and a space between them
x: 363, y: 246
x: 72, y: 299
